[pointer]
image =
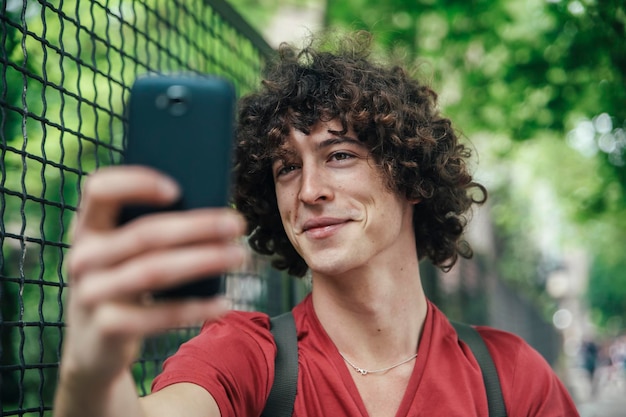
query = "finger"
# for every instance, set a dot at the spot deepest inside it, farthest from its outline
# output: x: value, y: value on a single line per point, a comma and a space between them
x: 158, y: 270
x: 136, y: 320
x: 107, y: 190
x: 154, y: 232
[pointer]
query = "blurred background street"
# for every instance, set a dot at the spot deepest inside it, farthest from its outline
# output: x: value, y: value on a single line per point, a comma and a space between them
x: 609, y: 396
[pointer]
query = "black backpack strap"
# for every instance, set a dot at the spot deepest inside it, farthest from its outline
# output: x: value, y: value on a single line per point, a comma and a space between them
x: 474, y: 340
x: 283, y: 393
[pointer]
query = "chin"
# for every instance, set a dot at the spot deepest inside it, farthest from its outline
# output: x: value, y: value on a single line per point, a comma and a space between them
x: 327, y: 265
x: 332, y: 258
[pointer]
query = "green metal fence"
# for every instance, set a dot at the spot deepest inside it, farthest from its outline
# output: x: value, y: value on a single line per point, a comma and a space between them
x: 66, y: 67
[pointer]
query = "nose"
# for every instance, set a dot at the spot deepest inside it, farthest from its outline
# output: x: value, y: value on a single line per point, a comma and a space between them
x: 315, y: 186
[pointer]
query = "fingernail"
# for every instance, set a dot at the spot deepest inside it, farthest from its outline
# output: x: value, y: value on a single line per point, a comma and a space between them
x: 169, y: 188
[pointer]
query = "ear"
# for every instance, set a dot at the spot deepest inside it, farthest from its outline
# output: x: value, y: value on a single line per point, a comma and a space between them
x: 415, y: 201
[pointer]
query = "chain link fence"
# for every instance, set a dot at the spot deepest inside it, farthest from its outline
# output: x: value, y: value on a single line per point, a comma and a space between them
x: 66, y: 68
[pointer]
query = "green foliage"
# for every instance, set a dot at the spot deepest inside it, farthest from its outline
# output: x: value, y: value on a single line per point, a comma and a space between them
x: 258, y: 13
x: 518, y: 68
x: 606, y: 292
x: 520, y: 261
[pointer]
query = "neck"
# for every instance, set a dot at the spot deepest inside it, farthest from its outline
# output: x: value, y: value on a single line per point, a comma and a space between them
x: 373, y: 318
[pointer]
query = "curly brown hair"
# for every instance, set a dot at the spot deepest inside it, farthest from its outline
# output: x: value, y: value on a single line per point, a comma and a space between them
x: 394, y: 115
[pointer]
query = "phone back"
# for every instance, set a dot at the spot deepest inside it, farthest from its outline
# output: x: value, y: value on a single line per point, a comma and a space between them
x: 183, y: 126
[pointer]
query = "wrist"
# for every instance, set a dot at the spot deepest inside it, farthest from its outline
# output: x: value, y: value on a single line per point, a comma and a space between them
x: 81, y: 393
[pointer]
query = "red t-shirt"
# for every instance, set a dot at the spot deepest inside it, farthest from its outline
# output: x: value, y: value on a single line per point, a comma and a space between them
x: 233, y: 359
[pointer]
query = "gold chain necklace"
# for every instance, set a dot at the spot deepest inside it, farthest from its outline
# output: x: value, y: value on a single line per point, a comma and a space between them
x: 377, y: 371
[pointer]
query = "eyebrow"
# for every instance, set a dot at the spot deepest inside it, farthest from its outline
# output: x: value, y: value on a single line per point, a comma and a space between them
x: 282, y: 151
x: 339, y: 140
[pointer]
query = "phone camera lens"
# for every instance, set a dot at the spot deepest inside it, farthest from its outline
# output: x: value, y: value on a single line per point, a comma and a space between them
x: 178, y: 99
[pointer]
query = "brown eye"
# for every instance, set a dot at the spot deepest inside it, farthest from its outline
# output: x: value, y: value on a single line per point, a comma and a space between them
x: 341, y: 156
x: 286, y: 169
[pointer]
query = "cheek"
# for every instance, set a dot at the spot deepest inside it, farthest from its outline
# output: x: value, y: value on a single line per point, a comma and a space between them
x: 284, y: 214
x: 391, y: 212
x: 285, y: 210
x: 283, y: 202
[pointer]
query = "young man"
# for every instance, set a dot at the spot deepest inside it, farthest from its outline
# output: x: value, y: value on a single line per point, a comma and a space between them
x: 344, y: 168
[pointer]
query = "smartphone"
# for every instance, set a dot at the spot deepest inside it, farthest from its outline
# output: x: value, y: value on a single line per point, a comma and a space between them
x: 182, y: 125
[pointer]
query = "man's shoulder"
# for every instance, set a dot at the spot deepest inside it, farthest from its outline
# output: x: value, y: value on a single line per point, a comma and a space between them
x: 251, y: 320
x: 512, y: 355
x: 527, y: 379
x: 505, y: 344
x: 500, y: 338
x: 241, y: 327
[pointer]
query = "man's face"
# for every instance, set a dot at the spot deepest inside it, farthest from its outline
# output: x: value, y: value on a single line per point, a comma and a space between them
x: 334, y: 204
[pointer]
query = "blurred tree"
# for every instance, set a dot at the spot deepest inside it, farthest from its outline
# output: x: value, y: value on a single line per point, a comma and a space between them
x: 519, y: 68
x: 607, y: 292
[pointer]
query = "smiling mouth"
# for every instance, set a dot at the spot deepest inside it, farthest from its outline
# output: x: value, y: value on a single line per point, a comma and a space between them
x: 321, y: 224
x: 322, y: 228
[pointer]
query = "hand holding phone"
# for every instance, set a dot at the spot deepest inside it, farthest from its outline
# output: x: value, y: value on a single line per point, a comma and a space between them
x: 183, y: 127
